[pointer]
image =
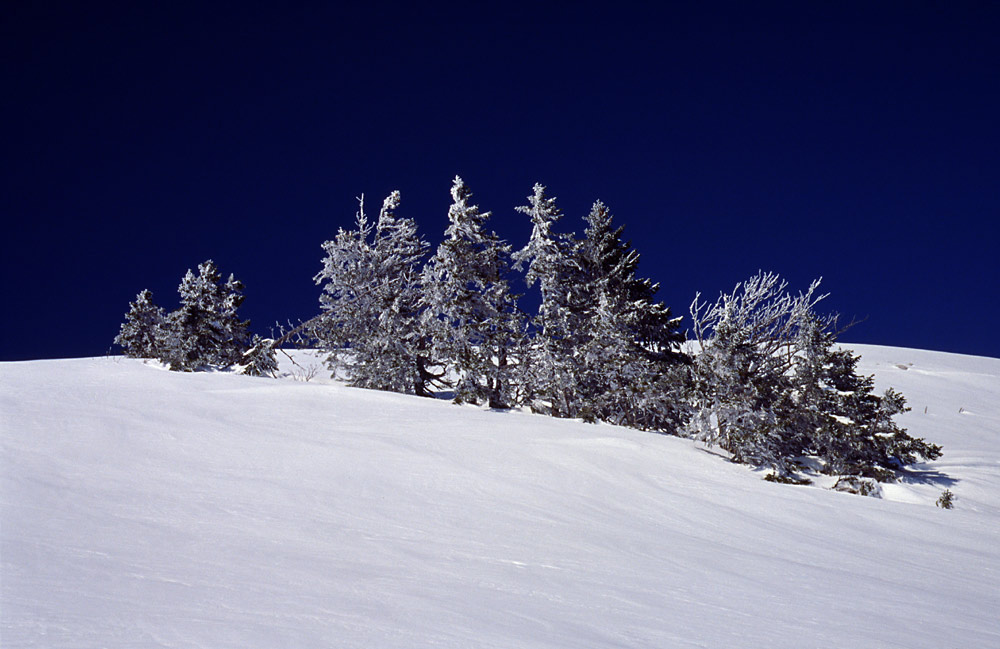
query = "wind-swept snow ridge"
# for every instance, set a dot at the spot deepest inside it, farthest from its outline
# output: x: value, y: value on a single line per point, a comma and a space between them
x: 157, y: 509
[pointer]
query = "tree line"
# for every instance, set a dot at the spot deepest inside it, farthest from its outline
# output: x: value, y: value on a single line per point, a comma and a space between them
x: 762, y: 377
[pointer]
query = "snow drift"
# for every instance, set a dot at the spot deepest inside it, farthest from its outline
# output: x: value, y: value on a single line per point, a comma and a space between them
x: 145, y: 508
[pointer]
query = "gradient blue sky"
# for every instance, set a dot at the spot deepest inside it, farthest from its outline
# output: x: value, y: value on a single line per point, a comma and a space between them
x: 859, y: 143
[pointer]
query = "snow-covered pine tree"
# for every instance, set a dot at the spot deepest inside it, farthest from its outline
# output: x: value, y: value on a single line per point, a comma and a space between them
x: 205, y: 330
x: 841, y: 419
x: 260, y: 359
x: 140, y: 333
x: 399, y: 253
x: 370, y: 300
x: 770, y: 386
x: 739, y: 385
x: 733, y: 392
x: 627, y: 342
x: 469, y: 312
x: 347, y: 301
x: 548, y: 373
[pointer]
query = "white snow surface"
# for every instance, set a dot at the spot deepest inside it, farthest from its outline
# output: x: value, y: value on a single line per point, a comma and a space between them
x: 146, y: 508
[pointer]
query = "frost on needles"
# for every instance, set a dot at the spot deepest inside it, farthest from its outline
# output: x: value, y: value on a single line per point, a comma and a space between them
x: 764, y: 380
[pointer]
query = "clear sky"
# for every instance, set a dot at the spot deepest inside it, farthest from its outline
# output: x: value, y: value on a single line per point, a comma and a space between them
x: 860, y: 143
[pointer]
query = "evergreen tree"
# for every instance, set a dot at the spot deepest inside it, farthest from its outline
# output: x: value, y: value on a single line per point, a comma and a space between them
x: 370, y: 301
x: 739, y: 389
x: 469, y: 312
x: 140, y: 333
x: 844, y: 422
x: 548, y: 374
x: 626, y: 342
x: 205, y: 330
x: 348, y: 298
x: 769, y: 386
x: 260, y: 359
x: 734, y: 393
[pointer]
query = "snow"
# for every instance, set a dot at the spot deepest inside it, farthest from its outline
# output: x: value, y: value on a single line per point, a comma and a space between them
x: 145, y: 508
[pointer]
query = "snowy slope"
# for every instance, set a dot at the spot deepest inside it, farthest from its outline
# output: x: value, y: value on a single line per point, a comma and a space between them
x: 144, y: 508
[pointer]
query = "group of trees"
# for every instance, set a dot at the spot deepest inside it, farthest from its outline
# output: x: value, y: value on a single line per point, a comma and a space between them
x: 599, y: 347
x: 769, y: 385
x: 763, y: 378
x: 205, y: 331
x: 766, y: 382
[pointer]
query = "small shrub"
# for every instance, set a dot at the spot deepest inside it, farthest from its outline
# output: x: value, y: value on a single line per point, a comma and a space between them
x: 786, y: 479
x: 947, y: 500
x: 853, y: 484
x: 588, y: 415
x: 260, y: 359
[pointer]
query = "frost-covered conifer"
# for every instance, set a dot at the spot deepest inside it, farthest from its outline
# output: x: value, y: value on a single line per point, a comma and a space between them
x: 260, y: 359
x: 625, y: 342
x: 769, y: 386
x: 840, y: 417
x: 370, y: 302
x: 469, y: 312
x: 348, y: 279
x: 140, y: 333
x: 548, y: 373
x: 738, y: 384
x: 604, y: 348
x: 205, y: 330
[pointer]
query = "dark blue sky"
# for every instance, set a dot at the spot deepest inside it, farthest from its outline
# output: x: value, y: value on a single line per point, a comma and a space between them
x: 860, y: 143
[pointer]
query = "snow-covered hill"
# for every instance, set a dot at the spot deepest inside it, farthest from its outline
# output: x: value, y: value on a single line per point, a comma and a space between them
x: 144, y: 508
